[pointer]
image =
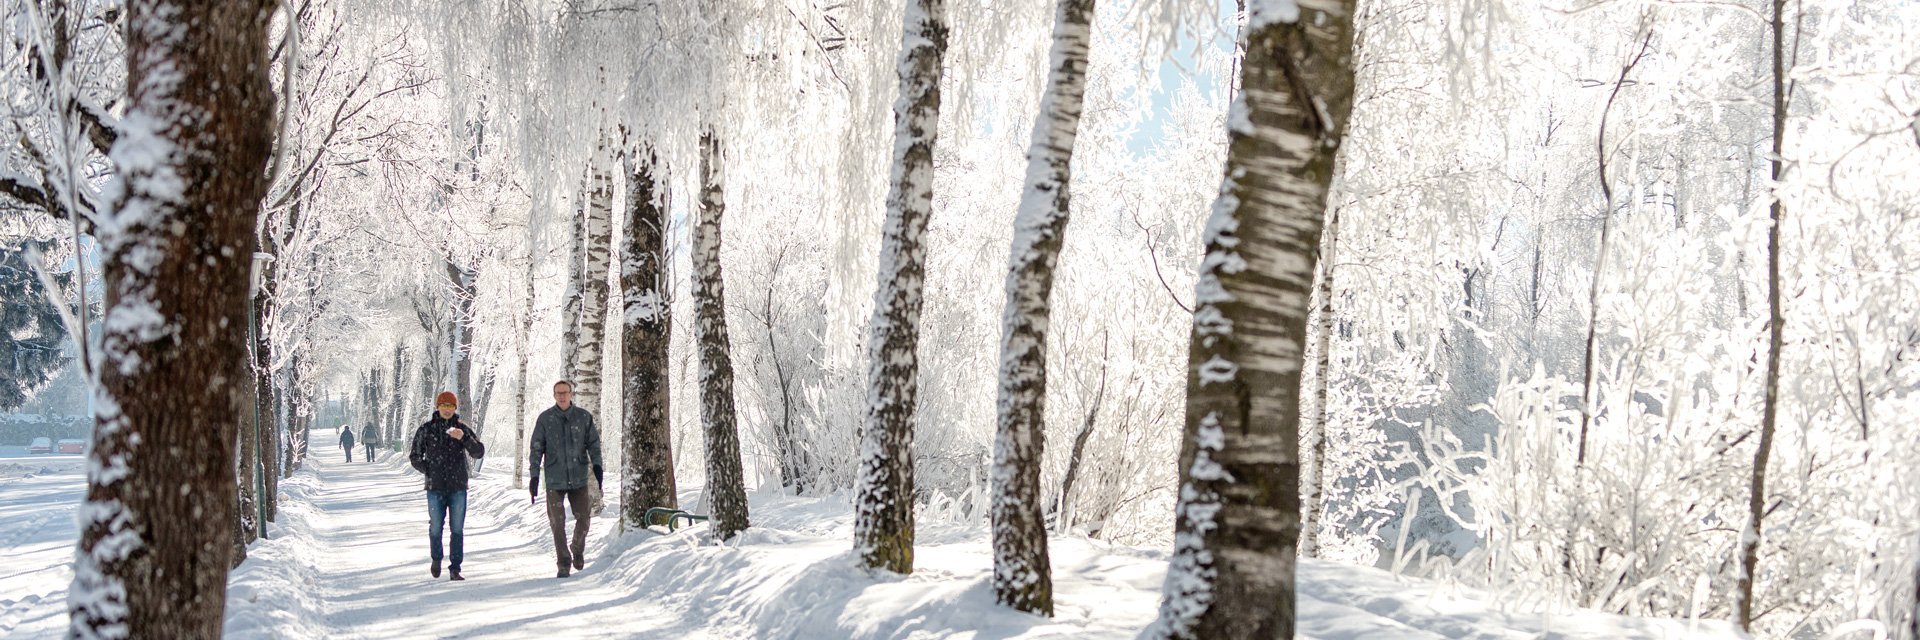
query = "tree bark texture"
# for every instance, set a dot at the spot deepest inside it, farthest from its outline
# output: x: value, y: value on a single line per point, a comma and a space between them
x: 1315, y: 508
x: 1750, y: 538
x: 725, y: 485
x: 647, y: 331
x: 883, y: 505
x: 1022, y: 572
x: 522, y: 372
x: 153, y: 552
x: 595, y: 261
x: 1238, y: 517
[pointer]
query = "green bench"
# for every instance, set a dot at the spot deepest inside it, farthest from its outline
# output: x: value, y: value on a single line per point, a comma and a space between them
x: 672, y: 518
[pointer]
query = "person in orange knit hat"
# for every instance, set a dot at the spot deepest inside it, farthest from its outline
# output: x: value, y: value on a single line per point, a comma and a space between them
x: 439, y: 451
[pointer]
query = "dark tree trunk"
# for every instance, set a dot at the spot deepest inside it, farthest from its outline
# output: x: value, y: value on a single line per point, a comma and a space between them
x: 152, y: 559
x: 647, y: 329
x: 1743, y: 601
x: 1238, y: 517
x: 883, y: 508
x: 725, y: 484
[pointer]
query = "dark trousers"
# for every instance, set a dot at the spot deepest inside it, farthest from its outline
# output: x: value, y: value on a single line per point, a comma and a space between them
x: 557, y: 520
x: 349, y: 450
x: 369, y: 453
x: 447, y: 508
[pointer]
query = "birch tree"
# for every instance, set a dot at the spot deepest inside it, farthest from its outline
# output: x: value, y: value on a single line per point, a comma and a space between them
x: 151, y: 559
x: 646, y: 333
x: 883, y: 506
x: 724, y: 481
x: 595, y: 256
x: 1237, y: 521
x: 1022, y: 575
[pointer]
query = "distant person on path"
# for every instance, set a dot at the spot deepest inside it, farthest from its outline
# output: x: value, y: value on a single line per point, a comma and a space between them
x: 438, y: 451
x: 566, y: 447
x: 371, y: 436
x: 346, y: 441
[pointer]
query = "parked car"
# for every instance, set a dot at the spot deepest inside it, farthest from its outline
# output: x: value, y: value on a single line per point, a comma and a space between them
x: 71, y: 445
x: 41, y: 445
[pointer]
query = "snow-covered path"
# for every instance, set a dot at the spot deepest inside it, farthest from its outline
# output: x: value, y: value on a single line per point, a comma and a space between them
x: 38, y: 496
x: 348, y: 559
x: 363, y: 529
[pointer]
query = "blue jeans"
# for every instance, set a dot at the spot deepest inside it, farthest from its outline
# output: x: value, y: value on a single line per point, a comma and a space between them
x: 439, y: 504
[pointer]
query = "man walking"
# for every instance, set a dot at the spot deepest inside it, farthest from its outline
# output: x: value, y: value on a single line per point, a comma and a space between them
x: 346, y: 441
x: 370, y: 435
x: 438, y: 451
x: 566, y: 447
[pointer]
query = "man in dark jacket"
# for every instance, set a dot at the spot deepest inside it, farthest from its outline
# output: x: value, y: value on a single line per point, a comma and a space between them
x: 346, y: 441
x: 566, y: 448
x: 439, y: 451
x: 370, y: 436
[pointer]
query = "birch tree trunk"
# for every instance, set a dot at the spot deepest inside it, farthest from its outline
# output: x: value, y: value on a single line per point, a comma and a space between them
x: 647, y: 329
x: 595, y: 261
x: 1316, y: 480
x: 523, y: 373
x: 1743, y: 603
x: 724, y: 482
x: 152, y: 558
x: 1238, y: 517
x: 396, y: 402
x: 576, y: 282
x: 883, y: 506
x: 1022, y: 572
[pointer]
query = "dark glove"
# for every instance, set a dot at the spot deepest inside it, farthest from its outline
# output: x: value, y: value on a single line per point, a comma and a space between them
x: 599, y: 478
x: 533, y: 490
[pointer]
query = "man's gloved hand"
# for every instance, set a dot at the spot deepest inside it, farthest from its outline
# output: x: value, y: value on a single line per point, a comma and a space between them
x: 533, y: 491
x: 599, y: 478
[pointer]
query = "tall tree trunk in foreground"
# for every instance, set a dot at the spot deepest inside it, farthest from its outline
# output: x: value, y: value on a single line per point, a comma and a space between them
x: 596, y: 259
x: 153, y: 553
x: 1743, y: 607
x: 883, y: 508
x: 1316, y: 479
x: 1022, y: 574
x: 724, y: 481
x: 647, y: 330
x: 1238, y: 516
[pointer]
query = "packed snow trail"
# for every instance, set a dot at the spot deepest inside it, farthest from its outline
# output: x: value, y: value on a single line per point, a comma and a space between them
x: 38, y: 496
x: 362, y: 527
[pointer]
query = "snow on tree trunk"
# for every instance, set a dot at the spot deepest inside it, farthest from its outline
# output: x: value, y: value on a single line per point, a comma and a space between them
x: 596, y: 260
x: 571, y: 301
x: 191, y: 157
x: 1238, y: 515
x: 1022, y: 573
x: 395, y: 411
x: 646, y: 332
x: 1750, y: 537
x: 460, y: 344
x: 883, y: 508
x: 1315, y: 497
x: 523, y: 373
x: 243, y: 468
x: 725, y: 486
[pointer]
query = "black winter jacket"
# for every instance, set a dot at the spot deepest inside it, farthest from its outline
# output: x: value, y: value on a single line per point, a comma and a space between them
x: 565, y: 448
x: 440, y: 457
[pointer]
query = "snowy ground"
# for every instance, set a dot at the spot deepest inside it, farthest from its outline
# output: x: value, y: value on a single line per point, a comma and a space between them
x: 348, y: 560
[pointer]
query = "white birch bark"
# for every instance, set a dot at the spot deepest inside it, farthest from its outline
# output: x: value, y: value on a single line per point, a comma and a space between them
x: 1022, y: 572
x: 883, y: 506
x: 1238, y: 517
